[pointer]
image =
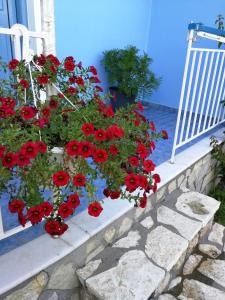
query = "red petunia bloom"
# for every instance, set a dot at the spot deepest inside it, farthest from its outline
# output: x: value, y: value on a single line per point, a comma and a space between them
x: 100, y: 156
x: 88, y: 128
x: 100, y: 135
x: 65, y: 210
x: 22, y: 219
x: 69, y: 65
x: 106, y: 192
x: 143, y: 182
x: 60, y: 178
x: 24, y: 83
x: 114, y: 132
x: 16, y: 206
x: 47, y: 208
x: 93, y: 70
x: 108, y: 111
x: 9, y: 160
x: 149, y: 166
x: 53, y: 104
x: 165, y: 135
x: 53, y: 59
x: 41, y: 122
x: 8, y: 102
x: 152, y: 126
x: 72, y: 79
x: 72, y: 90
x: 79, y: 81
x: 152, y: 145
x: 95, y: 209
x: 85, y: 149
x: 73, y: 201
x: 35, y: 214
x: 113, y: 149
x: 114, y: 194
x: 42, y: 147
x: 54, y: 227
x: 41, y: 60
x: 22, y: 159
x: 2, y: 151
x: 30, y: 149
x: 94, y: 79
x: 156, y: 178
x: 13, y: 64
x: 143, y: 201
x: 45, y: 111
x: 79, y: 180
x: 42, y: 79
x: 132, y: 181
x: 27, y: 112
x: 137, y: 123
x: 141, y: 150
x: 140, y: 107
x: 72, y: 148
x: 134, y: 162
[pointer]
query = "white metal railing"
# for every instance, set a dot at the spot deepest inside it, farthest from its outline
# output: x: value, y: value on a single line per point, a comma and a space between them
x: 20, y: 36
x: 203, y: 89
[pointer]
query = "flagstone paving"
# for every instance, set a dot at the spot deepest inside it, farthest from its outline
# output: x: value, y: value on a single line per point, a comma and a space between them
x: 152, y: 261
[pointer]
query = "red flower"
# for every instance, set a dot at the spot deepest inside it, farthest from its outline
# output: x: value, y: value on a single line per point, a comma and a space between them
x: 69, y: 58
x: 165, y: 135
x: 143, y: 201
x: 42, y: 147
x: 22, y: 159
x: 114, y: 194
x: 2, y: 151
x: 137, y: 123
x: 69, y: 65
x: 16, y: 206
x: 13, y: 64
x: 65, y: 210
x: 60, y: 178
x: 156, y: 178
x: 98, y: 88
x: 85, y: 149
x: 27, y: 112
x: 113, y: 149
x: 22, y: 219
x: 53, y: 104
x: 71, y: 90
x: 24, y: 83
x: 73, y: 201
x: 106, y: 192
x: 114, y: 132
x: 100, y: 156
x: 152, y: 126
x: 132, y: 181
x: 8, y: 102
x: 94, y: 79
x: 53, y: 59
x: 9, y: 160
x: 54, y: 227
x: 47, y: 208
x: 143, y: 182
x: 93, y: 70
x: 42, y: 79
x: 41, y: 60
x: 140, y: 107
x: 149, y: 166
x: 72, y: 148
x: 88, y: 128
x: 100, y: 135
x: 72, y: 79
x: 108, y: 111
x: 30, y: 149
x: 35, y: 214
x: 141, y: 150
x: 79, y: 180
x: 134, y: 162
x: 95, y: 209
x: 45, y: 111
x: 152, y: 145
x: 79, y: 81
x: 41, y: 122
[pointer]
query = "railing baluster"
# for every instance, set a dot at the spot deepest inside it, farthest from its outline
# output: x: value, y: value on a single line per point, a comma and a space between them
x: 220, y: 97
x: 193, y: 96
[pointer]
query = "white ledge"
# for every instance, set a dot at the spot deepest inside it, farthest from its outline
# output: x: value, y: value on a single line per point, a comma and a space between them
x: 29, y: 259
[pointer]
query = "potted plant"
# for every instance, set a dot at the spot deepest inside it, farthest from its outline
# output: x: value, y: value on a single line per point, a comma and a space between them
x: 128, y: 74
x: 52, y: 151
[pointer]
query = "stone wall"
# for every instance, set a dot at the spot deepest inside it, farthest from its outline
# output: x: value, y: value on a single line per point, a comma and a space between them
x: 59, y: 281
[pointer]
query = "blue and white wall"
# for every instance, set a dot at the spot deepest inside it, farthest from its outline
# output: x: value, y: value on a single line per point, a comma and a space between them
x: 86, y: 28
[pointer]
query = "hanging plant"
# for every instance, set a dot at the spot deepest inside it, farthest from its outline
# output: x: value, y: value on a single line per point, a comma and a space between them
x: 58, y: 135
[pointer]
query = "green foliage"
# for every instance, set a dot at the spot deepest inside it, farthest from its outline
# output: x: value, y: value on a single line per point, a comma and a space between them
x: 220, y: 25
x: 130, y: 71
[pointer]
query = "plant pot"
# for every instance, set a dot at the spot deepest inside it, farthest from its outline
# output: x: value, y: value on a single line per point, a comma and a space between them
x: 120, y: 99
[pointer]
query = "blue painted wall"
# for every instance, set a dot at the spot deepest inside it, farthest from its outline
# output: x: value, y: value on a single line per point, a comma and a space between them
x: 86, y: 28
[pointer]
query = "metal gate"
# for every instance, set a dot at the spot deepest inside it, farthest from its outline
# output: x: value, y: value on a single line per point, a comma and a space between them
x: 203, y: 87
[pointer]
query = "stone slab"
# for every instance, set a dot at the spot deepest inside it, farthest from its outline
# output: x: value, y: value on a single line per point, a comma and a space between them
x: 214, y: 269
x: 187, y: 227
x: 210, y: 250
x: 198, y: 206
x: 165, y: 247
x: 191, y: 263
x: 131, y: 240
x: 147, y: 222
x: 217, y: 233
x: 88, y: 270
x: 196, y: 290
x: 135, y: 277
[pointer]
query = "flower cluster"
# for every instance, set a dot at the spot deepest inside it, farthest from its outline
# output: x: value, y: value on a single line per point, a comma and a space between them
x: 91, y: 141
